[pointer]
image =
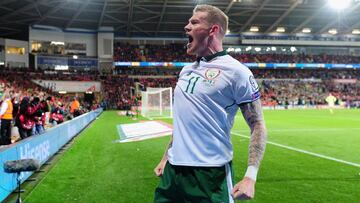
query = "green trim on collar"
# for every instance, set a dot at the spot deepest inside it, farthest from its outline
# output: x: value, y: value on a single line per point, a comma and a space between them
x: 212, y: 56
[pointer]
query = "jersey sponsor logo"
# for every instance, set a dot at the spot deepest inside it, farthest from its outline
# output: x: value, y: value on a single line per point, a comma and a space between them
x: 253, y: 83
x: 212, y: 73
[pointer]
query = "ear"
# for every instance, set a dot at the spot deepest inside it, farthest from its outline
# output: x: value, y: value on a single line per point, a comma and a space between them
x: 214, y: 30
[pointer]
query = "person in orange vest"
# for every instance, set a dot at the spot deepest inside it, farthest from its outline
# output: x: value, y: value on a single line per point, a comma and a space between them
x: 74, y: 107
x: 6, y: 115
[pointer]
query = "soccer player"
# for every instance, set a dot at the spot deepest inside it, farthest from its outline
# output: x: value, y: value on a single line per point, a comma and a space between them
x: 330, y: 100
x: 197, y: 164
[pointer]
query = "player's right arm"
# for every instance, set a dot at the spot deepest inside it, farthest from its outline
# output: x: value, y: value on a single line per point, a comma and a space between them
x: 159, y: 169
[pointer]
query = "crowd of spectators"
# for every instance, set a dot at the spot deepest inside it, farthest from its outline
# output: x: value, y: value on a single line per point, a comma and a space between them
x: 294, y: 91
x: 294, y: 58
x: 34, y: 108
x: 151, y: 53
x: 283, y: 86
x: 309, y: 93
x: 278, y: 86
x: 120, y: 90
x: 324, y: 74
x: 170, y: 71
x: 177, y: 53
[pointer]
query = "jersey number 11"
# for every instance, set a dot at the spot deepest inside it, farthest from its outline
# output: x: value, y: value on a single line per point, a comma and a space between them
x: 190, y: 87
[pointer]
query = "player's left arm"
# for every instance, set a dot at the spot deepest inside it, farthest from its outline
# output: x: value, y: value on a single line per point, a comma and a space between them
x: 253, y: 115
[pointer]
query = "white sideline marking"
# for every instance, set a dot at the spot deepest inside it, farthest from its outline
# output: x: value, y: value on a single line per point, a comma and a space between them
x: 305, y: 152
x: 306, y: 129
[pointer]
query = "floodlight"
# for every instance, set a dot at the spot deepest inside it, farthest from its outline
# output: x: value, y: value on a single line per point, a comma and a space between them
x: 254, y: 29
x: 306, y: 30
x: 293, y: 49
x: 257, y: 49
x: 356, y: 32
x: 339, y: 4
x: 280, y: 29
x: 333, y: 31
x: 230, y: 49
x: 227, y: 31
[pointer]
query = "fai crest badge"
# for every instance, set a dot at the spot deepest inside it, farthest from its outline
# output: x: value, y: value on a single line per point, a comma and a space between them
x: 212, y: 73
x: 253, y: 83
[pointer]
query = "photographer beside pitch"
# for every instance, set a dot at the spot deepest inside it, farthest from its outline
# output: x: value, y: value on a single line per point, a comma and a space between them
x: 197, y: 165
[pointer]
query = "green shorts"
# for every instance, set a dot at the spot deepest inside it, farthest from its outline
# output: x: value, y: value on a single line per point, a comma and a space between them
x: 195, y: 184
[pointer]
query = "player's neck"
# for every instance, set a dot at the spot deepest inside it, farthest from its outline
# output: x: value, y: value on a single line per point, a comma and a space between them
x: 213, y: 48
x: 211, y: 55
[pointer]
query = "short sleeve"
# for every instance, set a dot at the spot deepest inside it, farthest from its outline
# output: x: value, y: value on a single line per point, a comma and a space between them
x: 246, y: 88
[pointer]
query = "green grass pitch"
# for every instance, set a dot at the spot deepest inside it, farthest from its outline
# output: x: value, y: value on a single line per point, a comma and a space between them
x: 95, y: 169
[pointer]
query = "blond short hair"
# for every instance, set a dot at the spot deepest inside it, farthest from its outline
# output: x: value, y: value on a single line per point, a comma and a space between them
x: 215, y: 16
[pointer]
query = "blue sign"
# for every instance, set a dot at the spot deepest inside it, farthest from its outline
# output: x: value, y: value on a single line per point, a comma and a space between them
x: 82, y: 62
x: 250, y: 65
x: 45, y: 60
x: 40, y: 147
x: 64, y: 61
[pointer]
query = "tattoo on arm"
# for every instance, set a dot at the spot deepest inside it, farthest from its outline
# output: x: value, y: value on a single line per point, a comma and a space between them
x: 253, y: 115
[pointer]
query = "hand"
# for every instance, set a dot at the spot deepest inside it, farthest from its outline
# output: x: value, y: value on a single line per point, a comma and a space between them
x: 244, y: 190
x: 159, y: 169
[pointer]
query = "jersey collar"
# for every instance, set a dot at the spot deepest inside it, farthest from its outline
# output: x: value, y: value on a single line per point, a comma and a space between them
x: 212, y: 56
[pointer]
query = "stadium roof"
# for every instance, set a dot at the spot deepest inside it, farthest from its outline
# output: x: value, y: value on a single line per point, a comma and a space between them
x: 152, y: 18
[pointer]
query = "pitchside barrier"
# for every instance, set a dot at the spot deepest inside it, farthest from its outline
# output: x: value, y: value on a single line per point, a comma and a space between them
x: 40, y: 147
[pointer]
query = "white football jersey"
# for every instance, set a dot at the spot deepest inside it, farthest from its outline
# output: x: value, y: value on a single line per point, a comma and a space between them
x: 206, y: 100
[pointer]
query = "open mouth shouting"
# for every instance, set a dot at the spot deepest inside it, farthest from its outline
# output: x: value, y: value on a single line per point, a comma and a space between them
x: 190, y: 40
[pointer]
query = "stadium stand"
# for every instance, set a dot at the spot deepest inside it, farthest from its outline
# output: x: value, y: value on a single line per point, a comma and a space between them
x: 279, y: 87
x: 284, y: 87
x: 176, y: 52
x: 18, y: 83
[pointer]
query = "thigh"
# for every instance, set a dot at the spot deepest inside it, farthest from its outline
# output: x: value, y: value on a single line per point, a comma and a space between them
x: 167, y: 190
x: 195, y: 184
x: 207, y: 184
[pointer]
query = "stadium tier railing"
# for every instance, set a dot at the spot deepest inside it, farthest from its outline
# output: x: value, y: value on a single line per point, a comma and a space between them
x: 41, y: 147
